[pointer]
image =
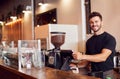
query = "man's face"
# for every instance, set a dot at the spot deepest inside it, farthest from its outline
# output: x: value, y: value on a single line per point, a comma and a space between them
x: 95, y: 23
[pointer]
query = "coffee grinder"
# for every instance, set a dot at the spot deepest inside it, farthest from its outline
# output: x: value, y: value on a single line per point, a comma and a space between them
x: 57, y: 57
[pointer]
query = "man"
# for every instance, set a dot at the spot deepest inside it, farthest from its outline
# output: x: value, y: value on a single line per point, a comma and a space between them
x: 100, y: 48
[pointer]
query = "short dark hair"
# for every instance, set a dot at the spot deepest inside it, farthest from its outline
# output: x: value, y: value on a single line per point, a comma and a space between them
x: 93, y: 14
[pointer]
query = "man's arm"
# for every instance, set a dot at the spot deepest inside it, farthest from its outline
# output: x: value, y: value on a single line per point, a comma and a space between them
x: 81, y: 64
x: 105, y: 53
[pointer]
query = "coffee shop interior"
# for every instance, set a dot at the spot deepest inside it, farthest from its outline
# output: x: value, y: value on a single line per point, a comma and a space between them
x: 25, y: 21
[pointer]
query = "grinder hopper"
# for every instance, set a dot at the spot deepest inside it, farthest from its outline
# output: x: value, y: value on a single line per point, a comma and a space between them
x: 57, y: 39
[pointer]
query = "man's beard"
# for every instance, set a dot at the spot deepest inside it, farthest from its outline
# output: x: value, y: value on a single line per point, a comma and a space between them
x: 97, y: 29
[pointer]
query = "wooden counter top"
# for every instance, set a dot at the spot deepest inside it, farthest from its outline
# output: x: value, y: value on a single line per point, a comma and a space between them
x: 7, y: 72
x: 50, y: 73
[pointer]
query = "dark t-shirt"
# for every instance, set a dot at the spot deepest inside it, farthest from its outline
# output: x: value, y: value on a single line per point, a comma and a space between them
x: 95, y: 44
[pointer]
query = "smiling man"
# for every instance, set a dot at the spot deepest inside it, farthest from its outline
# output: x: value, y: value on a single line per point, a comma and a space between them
x: 100, y: 48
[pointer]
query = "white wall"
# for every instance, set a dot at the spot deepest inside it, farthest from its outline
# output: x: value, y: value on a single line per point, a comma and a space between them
x: 71, y: 36
x: 68, y: 11
x: 111, y: 16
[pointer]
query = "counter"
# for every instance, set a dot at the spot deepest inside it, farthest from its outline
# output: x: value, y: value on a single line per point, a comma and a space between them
x: 7, y: 72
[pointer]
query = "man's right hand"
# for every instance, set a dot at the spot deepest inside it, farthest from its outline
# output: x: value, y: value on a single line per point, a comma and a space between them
x: 77, y: 55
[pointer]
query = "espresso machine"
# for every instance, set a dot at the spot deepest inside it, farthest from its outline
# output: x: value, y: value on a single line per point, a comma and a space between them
x: 58, y: 58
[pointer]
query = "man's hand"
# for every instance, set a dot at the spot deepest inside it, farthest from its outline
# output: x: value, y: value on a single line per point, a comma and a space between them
x: 77, y: 55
